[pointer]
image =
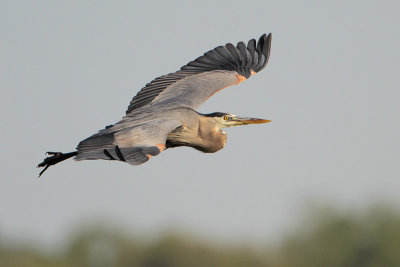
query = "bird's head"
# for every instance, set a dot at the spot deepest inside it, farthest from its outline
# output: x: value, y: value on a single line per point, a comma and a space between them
x: 224, y: 120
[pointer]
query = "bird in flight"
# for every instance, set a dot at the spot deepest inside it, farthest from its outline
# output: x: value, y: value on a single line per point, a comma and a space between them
x: 163, y: 113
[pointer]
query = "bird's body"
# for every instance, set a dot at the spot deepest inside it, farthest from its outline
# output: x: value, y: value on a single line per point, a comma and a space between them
x: 163, y: 114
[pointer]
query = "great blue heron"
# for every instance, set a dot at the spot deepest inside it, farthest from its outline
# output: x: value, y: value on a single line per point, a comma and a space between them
x: 162, y: 115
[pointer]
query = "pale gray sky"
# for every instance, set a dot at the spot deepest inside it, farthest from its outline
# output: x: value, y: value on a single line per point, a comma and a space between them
x: 331, y: 89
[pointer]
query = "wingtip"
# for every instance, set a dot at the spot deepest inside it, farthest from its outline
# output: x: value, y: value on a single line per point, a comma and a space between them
x: 266, y: 36
x: 269, y: 39
x: 264, y: 46
x: 265, y: 39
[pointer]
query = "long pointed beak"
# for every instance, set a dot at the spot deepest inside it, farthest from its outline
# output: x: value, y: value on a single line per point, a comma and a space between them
x: 247, y: 120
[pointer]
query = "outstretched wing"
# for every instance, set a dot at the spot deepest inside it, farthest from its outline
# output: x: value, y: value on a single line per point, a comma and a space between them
x: 195, y: 82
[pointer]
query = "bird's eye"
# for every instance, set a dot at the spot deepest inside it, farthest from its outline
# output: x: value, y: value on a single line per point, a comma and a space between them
x: 226, y: 118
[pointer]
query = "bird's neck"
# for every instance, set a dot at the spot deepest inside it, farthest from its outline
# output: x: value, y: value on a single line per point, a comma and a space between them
x: 212, y: 137
x: 206, y: 137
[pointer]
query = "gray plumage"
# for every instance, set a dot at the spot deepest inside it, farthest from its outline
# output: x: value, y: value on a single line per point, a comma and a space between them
x: 163, y: 113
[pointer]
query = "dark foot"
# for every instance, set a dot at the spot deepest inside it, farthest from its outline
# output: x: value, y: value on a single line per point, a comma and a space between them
x: 55, y: 158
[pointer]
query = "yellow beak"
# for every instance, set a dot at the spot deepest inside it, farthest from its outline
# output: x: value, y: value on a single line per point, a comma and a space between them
x: 247, y: 120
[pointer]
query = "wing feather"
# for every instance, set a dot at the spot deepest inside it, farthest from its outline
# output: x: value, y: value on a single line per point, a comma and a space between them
x: 245, y: 53
x: 251, y: 47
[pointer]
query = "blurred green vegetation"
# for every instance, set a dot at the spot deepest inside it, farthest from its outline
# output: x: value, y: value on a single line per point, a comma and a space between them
x: 327, y: 238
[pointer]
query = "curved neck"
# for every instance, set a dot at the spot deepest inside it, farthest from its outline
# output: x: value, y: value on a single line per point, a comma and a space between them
x: 207, y: 136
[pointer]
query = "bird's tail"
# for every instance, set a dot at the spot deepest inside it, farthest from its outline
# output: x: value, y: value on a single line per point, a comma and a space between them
x: 55, y: 158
